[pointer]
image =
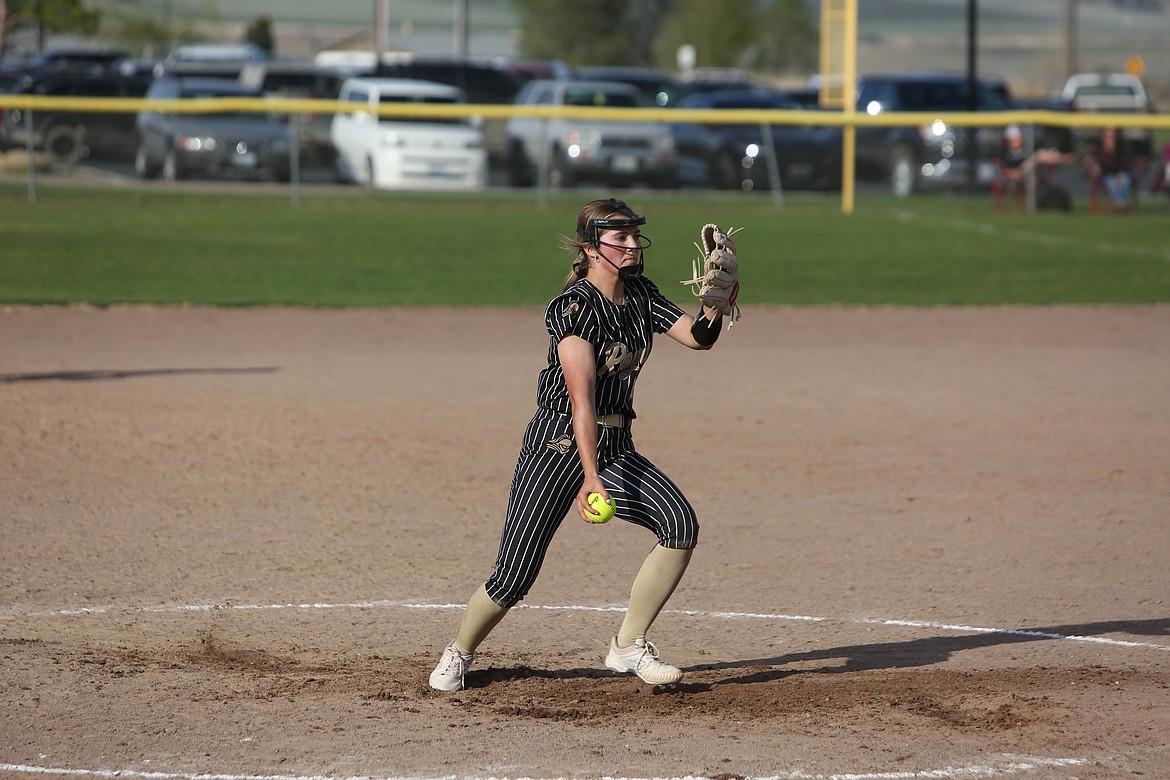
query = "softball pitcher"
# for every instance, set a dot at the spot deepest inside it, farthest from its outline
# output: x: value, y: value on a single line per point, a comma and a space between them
x: 578, y: 442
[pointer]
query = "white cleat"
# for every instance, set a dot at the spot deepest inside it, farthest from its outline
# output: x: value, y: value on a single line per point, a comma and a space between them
x: 641, y: 658
x: 452, y: 668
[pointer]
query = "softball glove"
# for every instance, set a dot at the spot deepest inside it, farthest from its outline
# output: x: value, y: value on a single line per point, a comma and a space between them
x: 715, y: 271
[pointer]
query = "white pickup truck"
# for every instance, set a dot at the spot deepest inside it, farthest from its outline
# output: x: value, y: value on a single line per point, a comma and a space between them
x: 1111, y: 93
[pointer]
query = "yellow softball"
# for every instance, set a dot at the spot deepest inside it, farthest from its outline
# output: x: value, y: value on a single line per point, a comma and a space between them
x: 603, y: 511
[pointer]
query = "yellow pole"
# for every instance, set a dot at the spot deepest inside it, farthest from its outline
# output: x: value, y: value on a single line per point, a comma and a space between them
x: 849, y: 88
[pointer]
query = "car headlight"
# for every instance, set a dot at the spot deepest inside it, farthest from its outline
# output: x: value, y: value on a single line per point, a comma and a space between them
x: 937, y: 133
x: 196, y: 143
x: 583, y: 140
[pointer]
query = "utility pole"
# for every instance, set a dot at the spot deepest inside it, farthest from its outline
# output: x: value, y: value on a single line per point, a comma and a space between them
x: 972, y: 87
x: 462, y: 26
x: 381, y: 28
x: 1071, y: 65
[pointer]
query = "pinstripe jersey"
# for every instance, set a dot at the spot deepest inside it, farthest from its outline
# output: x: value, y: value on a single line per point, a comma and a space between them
x: 549, y: 471
x: 622, y: 337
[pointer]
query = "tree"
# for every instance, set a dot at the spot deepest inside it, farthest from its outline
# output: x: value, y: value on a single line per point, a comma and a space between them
x: 647, y: 16
x: 597, y: 33
x: 722, y: 33
x: 776, y: 35
x: 259, y: 32
x: 47, y: 16
x: 3, y: 27
x: 790, y: 41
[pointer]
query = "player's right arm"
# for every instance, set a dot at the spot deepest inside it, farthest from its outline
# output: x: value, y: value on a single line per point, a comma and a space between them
x: 580, y: 369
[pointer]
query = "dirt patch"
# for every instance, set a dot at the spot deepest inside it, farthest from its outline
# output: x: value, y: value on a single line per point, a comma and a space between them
x: 235, y: 542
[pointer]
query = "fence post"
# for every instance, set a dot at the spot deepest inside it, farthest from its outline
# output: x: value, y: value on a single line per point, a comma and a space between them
x: 544, y: 165
x: 1030, y: 174
x: 294, y: 162
x: 32, y: 155
x: 773, y: 164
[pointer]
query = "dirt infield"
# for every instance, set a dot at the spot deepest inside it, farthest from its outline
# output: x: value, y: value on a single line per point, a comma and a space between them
x: 935, y: 544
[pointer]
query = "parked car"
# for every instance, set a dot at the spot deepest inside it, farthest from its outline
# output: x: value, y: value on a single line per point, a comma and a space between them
x: 580, y: 148
x: 482, y: 80
x: 69, y: 136
x: 935, y: 155
x: 1111, y: 93
x: 211, y: 60
x: 707, y: 80
x: 230, y: 144
x: 733, y: 156
x: 389, y: 152
x: 656, y: 85
x: 9, y: 80
x: 301, y: 80
x: 73, y: 60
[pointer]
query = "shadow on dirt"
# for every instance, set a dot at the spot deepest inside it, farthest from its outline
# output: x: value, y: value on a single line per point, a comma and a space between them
x: 925, y: 651
x: 106, y: 374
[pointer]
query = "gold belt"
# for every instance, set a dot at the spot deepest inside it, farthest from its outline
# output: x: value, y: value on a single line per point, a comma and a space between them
x: 615, y: 420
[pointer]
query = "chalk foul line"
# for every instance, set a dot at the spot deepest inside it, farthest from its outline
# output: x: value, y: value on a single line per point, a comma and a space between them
x: 1008, y: 765
x: 711, y: 614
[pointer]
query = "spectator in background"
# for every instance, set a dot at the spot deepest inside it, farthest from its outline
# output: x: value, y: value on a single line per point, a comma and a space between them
x: 1162, y: 179
x: 1110, y: 169
x: 1011, y: 168
x: 1013, y: 163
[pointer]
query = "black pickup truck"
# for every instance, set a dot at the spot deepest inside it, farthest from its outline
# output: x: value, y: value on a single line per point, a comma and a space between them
x: 69, y: 136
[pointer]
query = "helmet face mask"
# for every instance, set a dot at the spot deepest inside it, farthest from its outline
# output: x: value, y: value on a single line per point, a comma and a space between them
x: 594, y: 228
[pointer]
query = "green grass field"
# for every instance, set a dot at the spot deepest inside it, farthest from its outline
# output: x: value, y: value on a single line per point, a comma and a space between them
x: 251, y: 245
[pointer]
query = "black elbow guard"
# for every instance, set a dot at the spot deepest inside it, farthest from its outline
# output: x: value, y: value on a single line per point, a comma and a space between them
x: 704, y: 331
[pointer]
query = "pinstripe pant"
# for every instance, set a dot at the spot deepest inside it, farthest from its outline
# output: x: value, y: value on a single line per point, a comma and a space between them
x: 544, y: 488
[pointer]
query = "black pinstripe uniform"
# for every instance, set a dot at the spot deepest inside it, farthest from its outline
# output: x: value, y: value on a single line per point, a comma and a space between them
x: 549, y: 472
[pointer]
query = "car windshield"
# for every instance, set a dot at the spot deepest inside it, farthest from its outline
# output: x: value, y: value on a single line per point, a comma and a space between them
x: 599, y: 97
x: 754, y: 103
x: 424, y: 100
x: 1106, y: 90
x: 946, y: 96
x: 417, y: 99
x: 207, y: 93
x: 301, y: 85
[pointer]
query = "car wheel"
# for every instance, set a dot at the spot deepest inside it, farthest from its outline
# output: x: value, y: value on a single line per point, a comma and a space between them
x: 903, y: 173
x: 172, y: 169
x: 560, y: 175
x: 341, y: 172
x: 371, y: 173
x: 143, y: 167
x: 65, y: 144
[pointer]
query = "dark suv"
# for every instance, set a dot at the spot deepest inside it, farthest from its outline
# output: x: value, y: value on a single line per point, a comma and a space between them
x: 934, y: 155
x: 70, y: 135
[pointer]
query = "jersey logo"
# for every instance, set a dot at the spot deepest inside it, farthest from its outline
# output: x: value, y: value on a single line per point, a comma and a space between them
x: 571, y: 308
x: 618, y: 359
x: 561, y: 444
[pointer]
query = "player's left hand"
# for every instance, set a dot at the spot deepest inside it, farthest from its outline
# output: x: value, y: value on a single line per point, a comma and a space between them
x: 716, y: 271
